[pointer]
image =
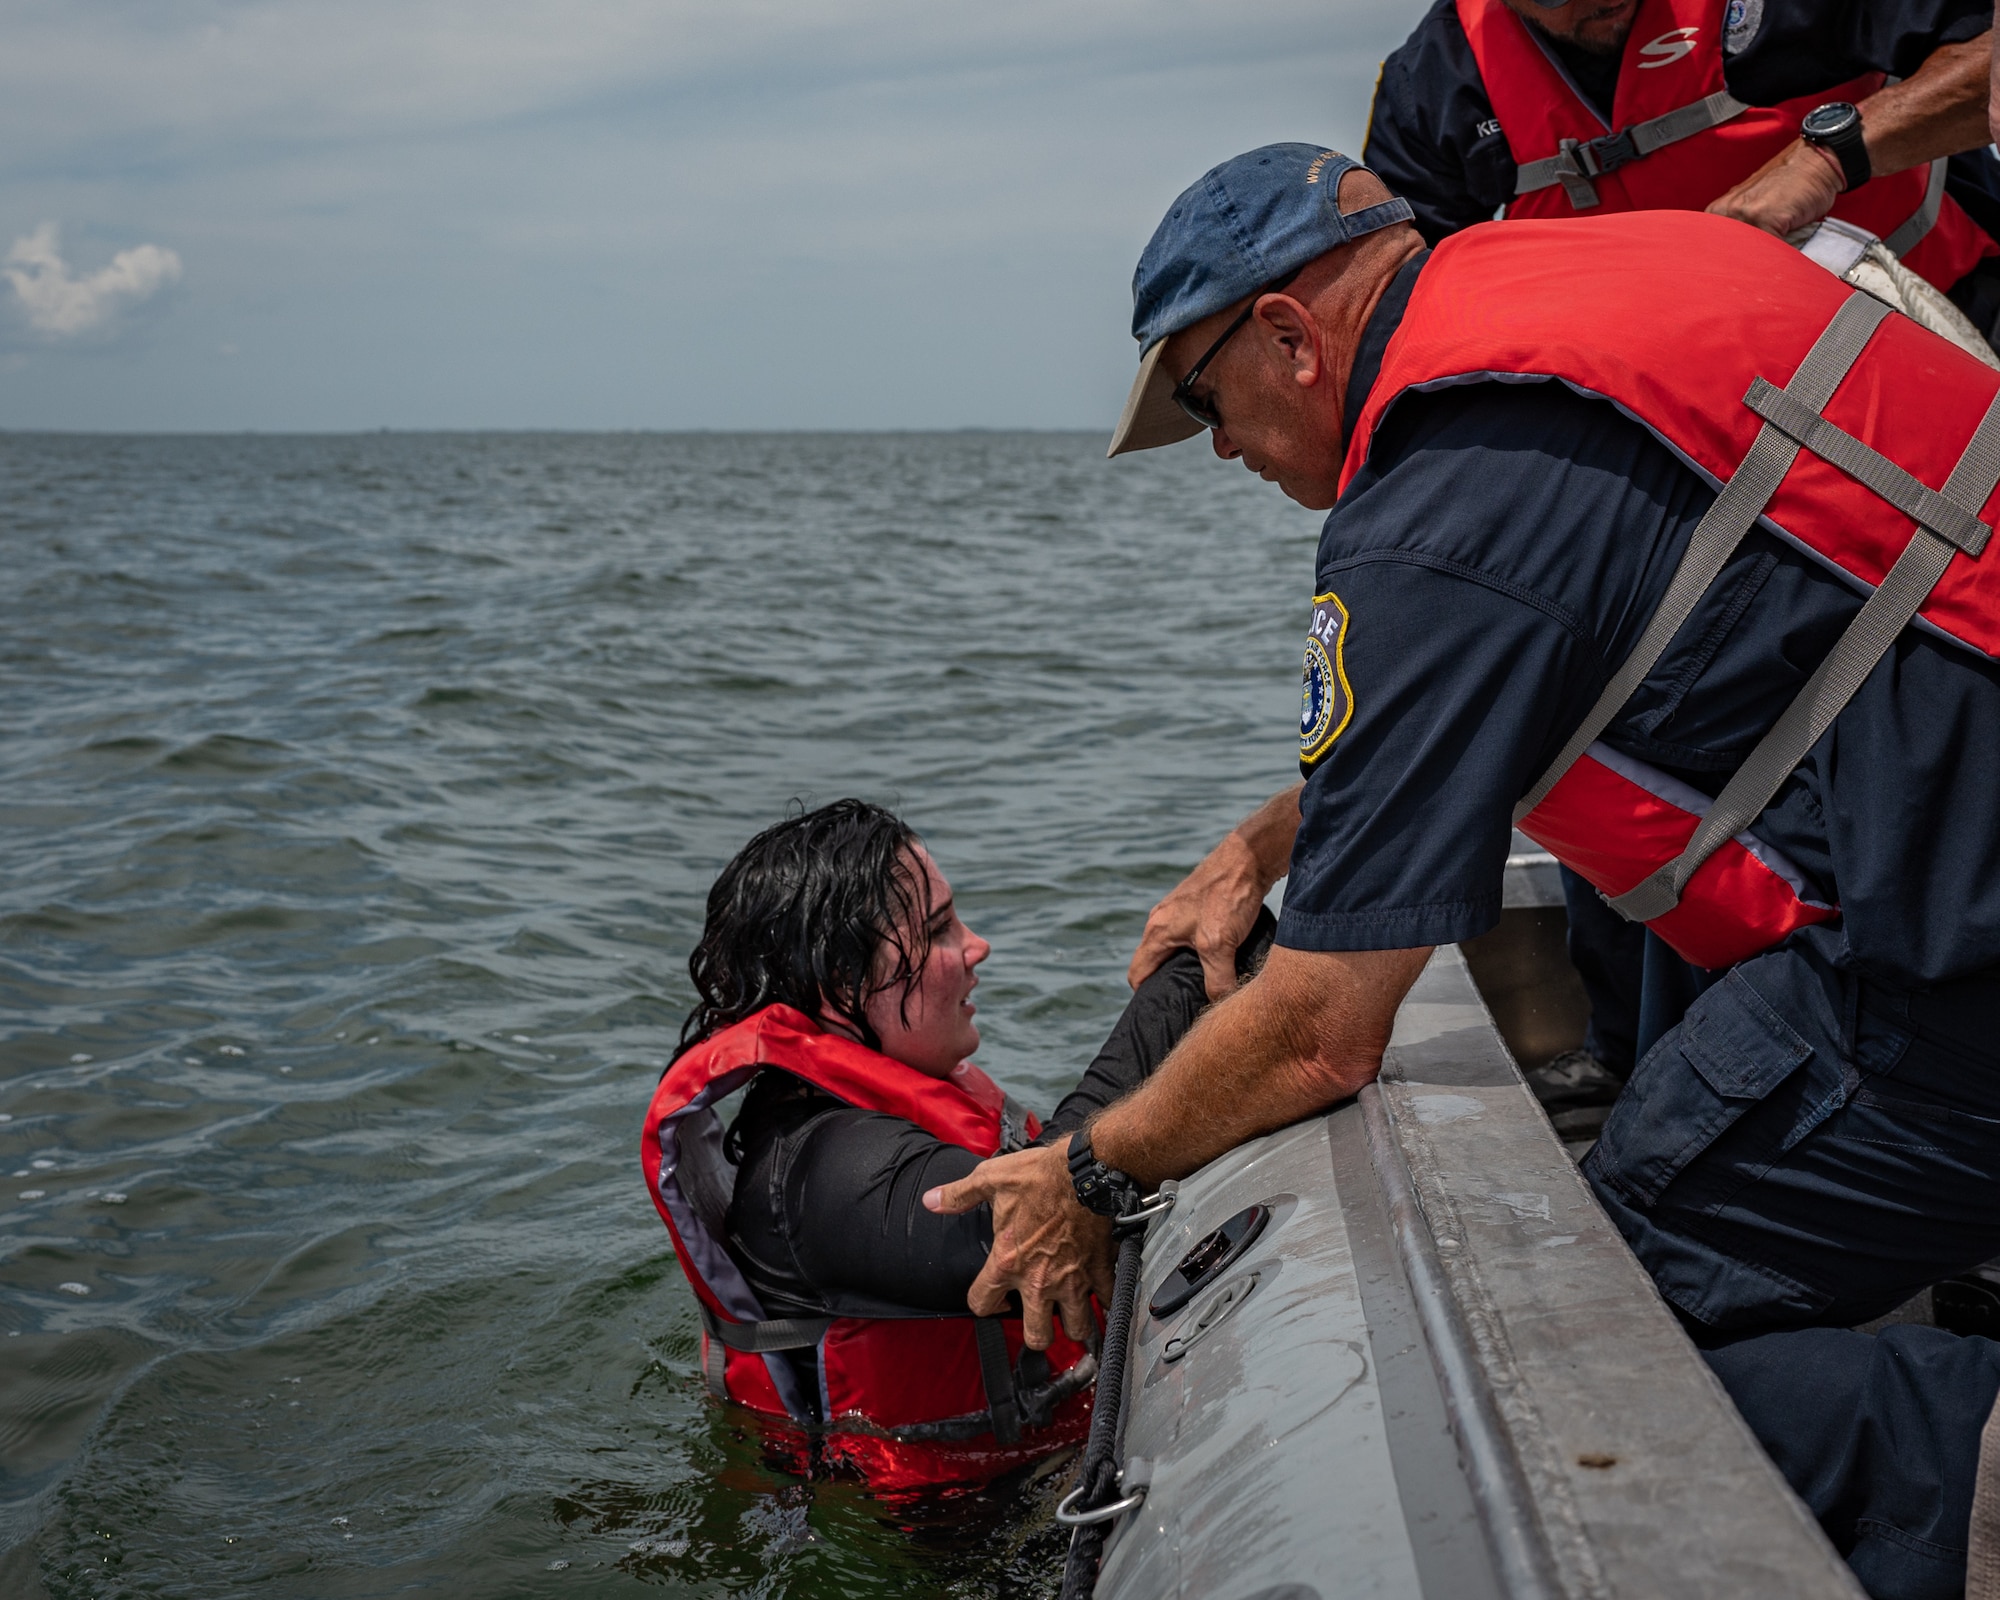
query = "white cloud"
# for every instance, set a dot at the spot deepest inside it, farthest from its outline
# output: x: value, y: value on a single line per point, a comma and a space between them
x: 63, y: 305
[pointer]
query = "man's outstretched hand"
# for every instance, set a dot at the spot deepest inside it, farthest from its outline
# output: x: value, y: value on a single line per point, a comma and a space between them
x: 1212, y: 909
x: 1046, y: 1247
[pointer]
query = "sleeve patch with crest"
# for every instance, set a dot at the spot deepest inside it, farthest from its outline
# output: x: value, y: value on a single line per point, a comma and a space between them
x: 1326, y: 704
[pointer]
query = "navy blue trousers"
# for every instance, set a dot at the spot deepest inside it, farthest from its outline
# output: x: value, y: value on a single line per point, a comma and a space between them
x: 1609, y: 955
x: 1806, y: 1148
x: 1637, y: 987
x: 1879, y: 1435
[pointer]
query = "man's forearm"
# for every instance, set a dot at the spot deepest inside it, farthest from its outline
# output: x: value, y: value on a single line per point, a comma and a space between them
x: 1270, y: 832
x: 1939, y: 110
x: 1308, y: 1031
x: 1993, y: 85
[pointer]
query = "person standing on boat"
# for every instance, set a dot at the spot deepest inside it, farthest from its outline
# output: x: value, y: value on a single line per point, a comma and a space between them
x: 1532, y: 603
x: 1775, y: 112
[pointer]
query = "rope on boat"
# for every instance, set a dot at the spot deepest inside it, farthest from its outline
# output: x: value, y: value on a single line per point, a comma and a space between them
x: 1097, y: 1484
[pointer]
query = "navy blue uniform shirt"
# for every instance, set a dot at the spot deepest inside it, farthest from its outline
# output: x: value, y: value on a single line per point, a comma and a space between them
x: 1432, y: 137
x: 1497, y: 558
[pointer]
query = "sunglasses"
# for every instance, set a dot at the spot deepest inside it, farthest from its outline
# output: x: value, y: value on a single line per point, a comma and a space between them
x: 1196, y: 408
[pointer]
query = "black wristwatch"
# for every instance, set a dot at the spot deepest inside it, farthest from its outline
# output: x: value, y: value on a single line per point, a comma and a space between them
x: 1105, y: 1190
x: 1836, y: 126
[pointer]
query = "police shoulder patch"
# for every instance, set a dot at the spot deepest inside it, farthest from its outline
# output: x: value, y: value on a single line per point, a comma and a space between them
x: 1325, y: 702
x: 1741, y: 20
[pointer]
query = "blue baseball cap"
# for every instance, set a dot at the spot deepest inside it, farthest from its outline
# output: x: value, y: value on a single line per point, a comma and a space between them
x: 1243, y: 226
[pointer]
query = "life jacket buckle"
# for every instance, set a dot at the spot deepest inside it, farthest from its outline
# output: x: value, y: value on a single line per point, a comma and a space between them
x: 1609, y: 153
x: 1575, y: 165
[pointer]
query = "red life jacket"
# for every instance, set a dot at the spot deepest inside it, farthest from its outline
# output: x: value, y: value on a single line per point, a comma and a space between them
x: 1569, y: 161
x: 910, y: 1402
x: 1701, y: 328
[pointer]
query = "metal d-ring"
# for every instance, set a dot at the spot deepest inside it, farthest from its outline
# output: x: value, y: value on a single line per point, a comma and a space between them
x: 1079, y: 1519
x: 1154, y: 1205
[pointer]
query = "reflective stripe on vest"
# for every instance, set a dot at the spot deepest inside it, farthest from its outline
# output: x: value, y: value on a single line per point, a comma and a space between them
x: 1678, y: 139
x: 898, y: 1390
x: 1816, y: 411
x: 1748, y: 897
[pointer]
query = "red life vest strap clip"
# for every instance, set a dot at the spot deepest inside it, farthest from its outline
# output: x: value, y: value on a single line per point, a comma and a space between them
x: 1608, y: 153
x: 1577, y: 161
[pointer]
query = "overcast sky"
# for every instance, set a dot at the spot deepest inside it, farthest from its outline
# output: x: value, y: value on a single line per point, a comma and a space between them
x: 307, y: 214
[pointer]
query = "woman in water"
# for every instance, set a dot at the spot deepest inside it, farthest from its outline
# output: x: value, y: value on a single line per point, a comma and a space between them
x: 835, y: 979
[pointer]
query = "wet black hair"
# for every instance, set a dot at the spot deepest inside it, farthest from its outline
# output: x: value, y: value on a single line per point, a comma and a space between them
x: 801, y: 915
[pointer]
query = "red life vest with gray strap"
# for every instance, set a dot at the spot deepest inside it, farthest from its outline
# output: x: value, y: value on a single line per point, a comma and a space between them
x: 1679, y: 139
x: 1863, y: 440
x: 911, y: 1402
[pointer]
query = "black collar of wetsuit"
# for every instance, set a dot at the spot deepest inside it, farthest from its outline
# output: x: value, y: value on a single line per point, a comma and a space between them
x: 1383, y: 322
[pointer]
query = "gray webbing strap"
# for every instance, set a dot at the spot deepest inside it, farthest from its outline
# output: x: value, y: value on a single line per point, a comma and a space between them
x: 1743, y: 798
x: 1735, y: 509
x: 1568, y: 167
x: 715, y: 1368
x: 1924, y: 218
x: 1871, y: 468
x: 766, y: 1338
x: 1886, y: 613
x: 996, y: 1371
x: 1578, y: 161
x: 1696, y: 117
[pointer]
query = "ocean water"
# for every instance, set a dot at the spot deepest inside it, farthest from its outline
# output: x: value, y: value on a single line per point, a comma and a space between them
x: 360, y: 796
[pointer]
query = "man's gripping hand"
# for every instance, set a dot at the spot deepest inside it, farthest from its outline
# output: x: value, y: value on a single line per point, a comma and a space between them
x: 1792, y: 190
x: 1212, y: 909
x: 1210, y: 912
x: 1046, y: 1247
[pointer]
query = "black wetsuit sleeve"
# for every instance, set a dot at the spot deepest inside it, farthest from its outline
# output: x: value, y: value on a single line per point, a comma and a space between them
x: 829, y: 1214
x: 1161, y: 1010
x: 855, y: 1191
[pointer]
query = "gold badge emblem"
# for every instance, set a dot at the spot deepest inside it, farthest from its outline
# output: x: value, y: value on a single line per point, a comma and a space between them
x: 1326, y: 704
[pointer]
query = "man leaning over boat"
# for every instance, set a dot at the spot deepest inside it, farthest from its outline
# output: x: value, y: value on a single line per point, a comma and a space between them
x: 1653, y: 537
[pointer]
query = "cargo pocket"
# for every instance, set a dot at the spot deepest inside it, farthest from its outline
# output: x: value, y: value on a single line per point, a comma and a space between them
x: 1731, y: 1051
